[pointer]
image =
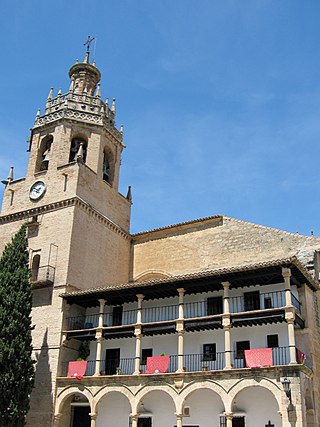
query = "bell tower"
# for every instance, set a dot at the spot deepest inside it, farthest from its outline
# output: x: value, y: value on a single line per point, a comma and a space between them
x: 78, y: 222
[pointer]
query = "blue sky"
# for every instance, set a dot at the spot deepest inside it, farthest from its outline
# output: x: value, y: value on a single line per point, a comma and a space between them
x: 220, y: 100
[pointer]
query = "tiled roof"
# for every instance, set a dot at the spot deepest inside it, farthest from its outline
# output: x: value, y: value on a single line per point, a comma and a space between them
x: 198, y: 275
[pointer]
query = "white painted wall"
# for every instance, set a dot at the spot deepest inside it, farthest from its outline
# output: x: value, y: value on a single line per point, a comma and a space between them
x: 161, y: 405
x: 205, y: 409
x: 113, y: 411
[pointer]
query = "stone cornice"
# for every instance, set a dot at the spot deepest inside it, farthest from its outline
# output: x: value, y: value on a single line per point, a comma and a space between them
x: 79, y: 116
x: 74, y: 201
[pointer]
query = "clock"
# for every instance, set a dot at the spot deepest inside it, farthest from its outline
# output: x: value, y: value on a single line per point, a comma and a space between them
x: 37, y: 190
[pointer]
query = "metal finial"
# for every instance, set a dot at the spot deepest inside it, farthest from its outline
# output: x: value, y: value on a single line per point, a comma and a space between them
x: 121, y: 129
x: 88, y: 42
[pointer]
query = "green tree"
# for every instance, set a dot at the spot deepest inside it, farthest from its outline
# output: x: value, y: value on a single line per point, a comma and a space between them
x: 16, y: 365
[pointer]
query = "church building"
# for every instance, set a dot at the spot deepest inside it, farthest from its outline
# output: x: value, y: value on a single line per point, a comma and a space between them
x: 212, y: 322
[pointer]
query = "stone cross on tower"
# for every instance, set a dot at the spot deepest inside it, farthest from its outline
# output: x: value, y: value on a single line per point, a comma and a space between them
x: 88, y: 42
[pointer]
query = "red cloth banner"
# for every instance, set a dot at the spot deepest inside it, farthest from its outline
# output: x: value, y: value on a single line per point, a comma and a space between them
x: 77, y: 369
x: 157, y: 364
x: 301, y: 357
x: 258, y: 357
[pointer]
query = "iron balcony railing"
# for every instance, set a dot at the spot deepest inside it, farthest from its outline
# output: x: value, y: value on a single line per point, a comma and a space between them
x: 44, y: 273
x: 198, y: 309
x: 191, y: 363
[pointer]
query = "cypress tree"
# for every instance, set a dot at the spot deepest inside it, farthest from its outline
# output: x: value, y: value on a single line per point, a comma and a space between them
x: 16, y: 365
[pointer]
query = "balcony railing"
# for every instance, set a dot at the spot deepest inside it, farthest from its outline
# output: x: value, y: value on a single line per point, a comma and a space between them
x: 198, y: 309
x: 191, y: 363
x: 43, y: 274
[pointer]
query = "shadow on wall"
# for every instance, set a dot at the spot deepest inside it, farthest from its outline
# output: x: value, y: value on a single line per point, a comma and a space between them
x: 40, y: 414
x: 292, y: 415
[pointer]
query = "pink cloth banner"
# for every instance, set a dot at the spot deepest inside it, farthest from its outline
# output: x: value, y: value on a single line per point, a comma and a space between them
x: 258, y: 357
x: 77, y: 369
x: 301, y: 357
x: 157, y: 364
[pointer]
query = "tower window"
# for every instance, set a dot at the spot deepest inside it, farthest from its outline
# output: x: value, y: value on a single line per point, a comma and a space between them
x: 107, y: 166
x: 44, y: 154
x: 74, y: 149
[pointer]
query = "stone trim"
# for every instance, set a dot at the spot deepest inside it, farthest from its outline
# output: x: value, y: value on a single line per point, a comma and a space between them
x: 51, y: 207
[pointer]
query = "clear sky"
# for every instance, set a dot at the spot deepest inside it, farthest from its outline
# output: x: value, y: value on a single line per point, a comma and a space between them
x: 220, y: 100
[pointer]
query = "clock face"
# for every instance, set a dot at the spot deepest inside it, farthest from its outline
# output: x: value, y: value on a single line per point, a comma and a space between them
x: 37, y: 190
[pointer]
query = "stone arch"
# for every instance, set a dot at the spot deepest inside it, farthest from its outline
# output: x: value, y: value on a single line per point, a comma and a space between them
x: 152, y: 274
x: 243, y: 384
x: 208, y: 385
x: 44, y: 153
x: 146, y: 390
x: 125, y: 391
x: 70, y: 391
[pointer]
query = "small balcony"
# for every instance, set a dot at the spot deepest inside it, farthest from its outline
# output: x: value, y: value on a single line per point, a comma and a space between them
x: 42, y: 276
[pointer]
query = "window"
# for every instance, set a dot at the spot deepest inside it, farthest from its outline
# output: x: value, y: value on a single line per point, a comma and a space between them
x: 35, y: 267
x: 267, y: 302
x: 209, y: 352
x: 272, y: 341
x: 117, y: 315
x: 106, y: 167
x: 251, y: 301
x: 74, y: 148
x: 241, y: 346
x: 146, y: 352
x: 214, y: 306
x: 44, y: 153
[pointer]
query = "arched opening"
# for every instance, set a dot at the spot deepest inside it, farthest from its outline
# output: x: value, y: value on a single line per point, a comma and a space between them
x: 156, y: 409
x: 44, y: 154
x: 203, y: 407
x: 107, y: 166
x: 35, y: 267
x: 75, y: 412
x: 246, y: 402
x: 113, y: 409
x: 74, y: 149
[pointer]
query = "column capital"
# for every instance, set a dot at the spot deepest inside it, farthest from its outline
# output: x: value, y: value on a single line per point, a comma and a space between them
x: 93, y: 415
x: 57, y: 416
x: 181, y: 291
x: 226, y: 285
x: 286, y: 272
x: 99, y: 339
x: 134, y: 417
x: 179, y: 416
x: 140, y: 297
x: 102, y: 301
x: 228, y: 415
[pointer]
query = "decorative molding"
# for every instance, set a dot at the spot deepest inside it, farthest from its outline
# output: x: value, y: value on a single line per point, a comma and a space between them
x: 74, y: 201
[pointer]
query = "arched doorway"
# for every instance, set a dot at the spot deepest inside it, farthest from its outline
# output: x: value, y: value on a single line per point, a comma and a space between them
x: 113, y: 409
x: 255, y: 406
x: 75, y: 412
x: 202, y: 407
x: 156, y: 409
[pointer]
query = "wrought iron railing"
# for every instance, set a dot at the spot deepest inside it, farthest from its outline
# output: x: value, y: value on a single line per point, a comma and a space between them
x: 44, y: 273
x: 159, y: 314
x: 201, y: 362
x: 262, y: 301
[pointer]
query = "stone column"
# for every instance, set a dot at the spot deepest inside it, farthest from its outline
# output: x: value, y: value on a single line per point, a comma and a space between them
x: 286, y: 274
x: 138, y: 350
x: 181, y: 303
x: 139, y: 311
x: 101, y: 312
x: 290, y: 315
x: 138, y: 335
x: 99, y: 340
x: 93, y: 419
x: 179, y: 420
x: 56, y: 420
x: 180, y: 330
x: 292, y: 340
x: 226, y: 322
x: 134, y: 419
x: 228, y: 419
